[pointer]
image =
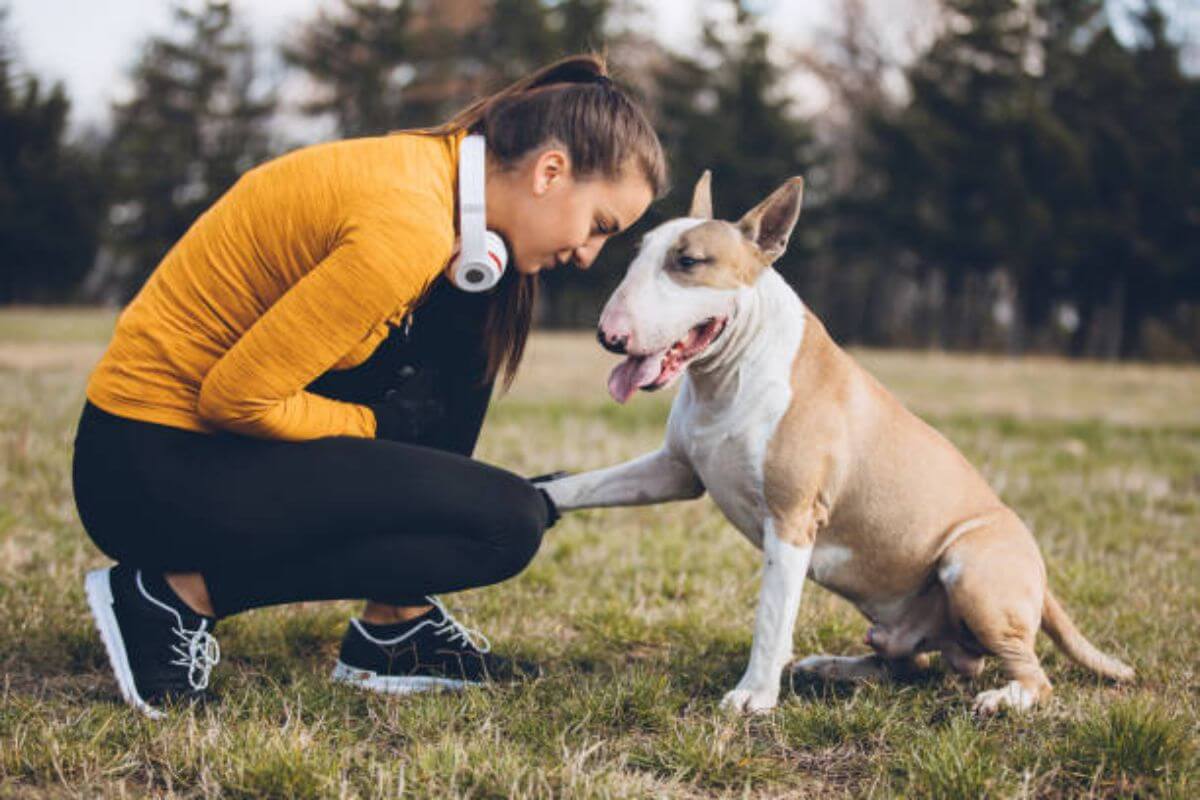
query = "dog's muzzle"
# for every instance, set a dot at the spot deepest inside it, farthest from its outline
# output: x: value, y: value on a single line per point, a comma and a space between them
x: 613, y: 344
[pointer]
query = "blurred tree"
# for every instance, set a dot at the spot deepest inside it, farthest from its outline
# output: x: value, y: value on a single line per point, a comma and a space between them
x: 49, y: 192
x: 953, y: 195
x: 860, y: 296
x: 723, y: 106
x: 360, y: 57
x: 390, y: 64
x: 1136, y: 220
x: 195, y: 123
x: 471, y: 47
x: 1038, y: 148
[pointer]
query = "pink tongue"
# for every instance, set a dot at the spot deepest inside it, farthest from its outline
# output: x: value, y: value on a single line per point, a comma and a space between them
x: 632, y: 373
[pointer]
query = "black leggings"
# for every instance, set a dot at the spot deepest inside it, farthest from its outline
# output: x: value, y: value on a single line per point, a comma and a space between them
x: 269, y: 521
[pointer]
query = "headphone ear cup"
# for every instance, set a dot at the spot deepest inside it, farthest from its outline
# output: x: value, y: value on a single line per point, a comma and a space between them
x: 481, y: 276
x: 497, y: 252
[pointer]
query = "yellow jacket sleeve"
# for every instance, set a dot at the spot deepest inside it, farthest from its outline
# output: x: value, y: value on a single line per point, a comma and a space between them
x: 256, y: 388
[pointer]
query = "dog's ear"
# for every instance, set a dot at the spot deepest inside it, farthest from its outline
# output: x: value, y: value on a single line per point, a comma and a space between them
x: 702, y: 197
x: 769, y: 224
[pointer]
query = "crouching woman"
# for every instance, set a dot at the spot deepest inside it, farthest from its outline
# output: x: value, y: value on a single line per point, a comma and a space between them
x: 287, y: 409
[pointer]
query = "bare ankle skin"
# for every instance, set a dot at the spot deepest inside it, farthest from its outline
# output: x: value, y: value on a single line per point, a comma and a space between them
x: 384, y: 614
x: 192, y: 590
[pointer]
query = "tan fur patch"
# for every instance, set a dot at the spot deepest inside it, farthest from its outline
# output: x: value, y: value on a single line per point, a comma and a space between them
x: 725, y: 259
x: 841, y: 464
x: 802, y: 457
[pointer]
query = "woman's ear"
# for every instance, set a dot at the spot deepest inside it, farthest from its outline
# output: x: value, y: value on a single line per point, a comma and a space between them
x: 551, y: 167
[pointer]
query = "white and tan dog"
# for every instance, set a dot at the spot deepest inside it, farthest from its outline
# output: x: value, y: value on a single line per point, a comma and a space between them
x: 820, y: 466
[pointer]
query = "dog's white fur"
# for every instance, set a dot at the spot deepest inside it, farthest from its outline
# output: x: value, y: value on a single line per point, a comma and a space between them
x: 817, y: 496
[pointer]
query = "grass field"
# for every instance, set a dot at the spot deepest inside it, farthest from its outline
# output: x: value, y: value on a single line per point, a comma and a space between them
x: 641, y: 617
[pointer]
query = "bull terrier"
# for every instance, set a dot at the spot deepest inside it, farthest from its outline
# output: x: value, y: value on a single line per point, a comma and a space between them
x: 818, y: 465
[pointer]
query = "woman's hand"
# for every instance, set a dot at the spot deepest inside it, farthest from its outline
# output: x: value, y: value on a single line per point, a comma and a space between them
x: 551, y: 508
x: 410, y: 409
x: 549, y: 476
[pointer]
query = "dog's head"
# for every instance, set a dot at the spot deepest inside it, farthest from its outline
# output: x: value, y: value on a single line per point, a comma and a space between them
x: 683, y: 285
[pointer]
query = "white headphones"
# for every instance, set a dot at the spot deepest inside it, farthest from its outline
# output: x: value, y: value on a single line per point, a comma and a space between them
x: 482, y: 255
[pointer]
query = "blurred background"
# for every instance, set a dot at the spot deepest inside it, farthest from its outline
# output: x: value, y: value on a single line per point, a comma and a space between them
x: 988, y: 175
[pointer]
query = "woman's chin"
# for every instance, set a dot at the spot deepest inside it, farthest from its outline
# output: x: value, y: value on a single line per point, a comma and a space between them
x: 531, y: 266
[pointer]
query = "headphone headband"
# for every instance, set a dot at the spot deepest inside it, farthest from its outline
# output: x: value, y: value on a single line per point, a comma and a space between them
x: 482, y: 255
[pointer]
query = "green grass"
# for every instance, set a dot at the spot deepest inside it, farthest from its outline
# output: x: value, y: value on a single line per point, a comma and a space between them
x: 33, y: 324
x: 641, y: 618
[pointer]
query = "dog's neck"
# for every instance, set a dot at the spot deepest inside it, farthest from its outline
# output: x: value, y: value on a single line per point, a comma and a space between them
x: 746, y: 342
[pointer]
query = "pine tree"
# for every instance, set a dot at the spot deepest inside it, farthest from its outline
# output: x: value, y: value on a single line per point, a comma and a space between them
x: 48, y: 189
x: 953, y: 185
x: 1035, y: 143
x: 360, y: 56
x: 383, y: 65
x: 195, y: 123
x: 1162, y: 265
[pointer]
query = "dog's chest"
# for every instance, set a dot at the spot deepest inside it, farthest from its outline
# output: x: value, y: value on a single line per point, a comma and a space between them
x: 725, y: 430
x: 726, y: 441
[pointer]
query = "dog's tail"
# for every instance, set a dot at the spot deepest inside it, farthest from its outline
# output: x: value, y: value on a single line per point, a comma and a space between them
x: 1062, y: 630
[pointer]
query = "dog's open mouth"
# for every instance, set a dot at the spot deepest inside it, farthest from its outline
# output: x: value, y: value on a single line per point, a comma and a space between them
x: 656, y: 370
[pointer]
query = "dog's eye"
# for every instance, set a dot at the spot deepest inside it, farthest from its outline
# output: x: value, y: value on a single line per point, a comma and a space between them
x: 687, y: 262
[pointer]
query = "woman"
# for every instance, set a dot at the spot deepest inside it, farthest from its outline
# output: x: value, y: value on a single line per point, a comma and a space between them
x: 287, y: 407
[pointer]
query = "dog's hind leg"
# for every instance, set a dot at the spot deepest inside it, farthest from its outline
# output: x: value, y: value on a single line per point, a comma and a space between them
x: 994, y: 579
x: 961, y: 661
x: 860, y: 668
x: 1027, y: 682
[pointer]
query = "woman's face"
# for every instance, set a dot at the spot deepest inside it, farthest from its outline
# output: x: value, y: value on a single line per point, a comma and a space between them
x: 550, y: 217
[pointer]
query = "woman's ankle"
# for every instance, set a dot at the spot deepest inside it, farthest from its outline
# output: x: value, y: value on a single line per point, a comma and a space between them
x: 385, y: 614
x: 191, y: 589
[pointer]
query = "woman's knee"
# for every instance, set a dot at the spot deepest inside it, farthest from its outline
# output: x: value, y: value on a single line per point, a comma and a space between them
x: 517, y: 528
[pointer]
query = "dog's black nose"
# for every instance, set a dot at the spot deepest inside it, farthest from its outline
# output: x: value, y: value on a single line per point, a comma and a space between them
x: 614, y: 345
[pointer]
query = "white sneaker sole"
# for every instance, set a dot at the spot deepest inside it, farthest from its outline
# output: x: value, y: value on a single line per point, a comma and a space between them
x: 100, y: 600
x: 395, y: 684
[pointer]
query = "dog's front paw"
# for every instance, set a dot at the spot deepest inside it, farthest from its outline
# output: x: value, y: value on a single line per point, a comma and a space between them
x: 750, y: 701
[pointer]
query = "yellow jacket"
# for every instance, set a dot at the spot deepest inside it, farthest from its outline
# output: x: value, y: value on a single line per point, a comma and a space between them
x: 296, y: 270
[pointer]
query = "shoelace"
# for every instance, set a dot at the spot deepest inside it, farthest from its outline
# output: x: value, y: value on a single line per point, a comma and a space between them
x: 459, y: 631
x: 200, y: 653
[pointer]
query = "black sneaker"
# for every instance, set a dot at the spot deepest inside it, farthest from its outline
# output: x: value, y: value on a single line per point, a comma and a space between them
x: 433, y: 651
x: 160, y: 650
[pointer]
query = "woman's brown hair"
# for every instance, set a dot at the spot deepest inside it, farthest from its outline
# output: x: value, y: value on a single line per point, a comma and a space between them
x: 572, y: 102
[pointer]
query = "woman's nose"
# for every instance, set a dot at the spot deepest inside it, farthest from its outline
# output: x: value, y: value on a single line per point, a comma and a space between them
x: 585, y: 255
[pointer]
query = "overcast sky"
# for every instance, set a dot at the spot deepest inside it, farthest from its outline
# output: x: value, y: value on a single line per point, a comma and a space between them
x: 89, y: 44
